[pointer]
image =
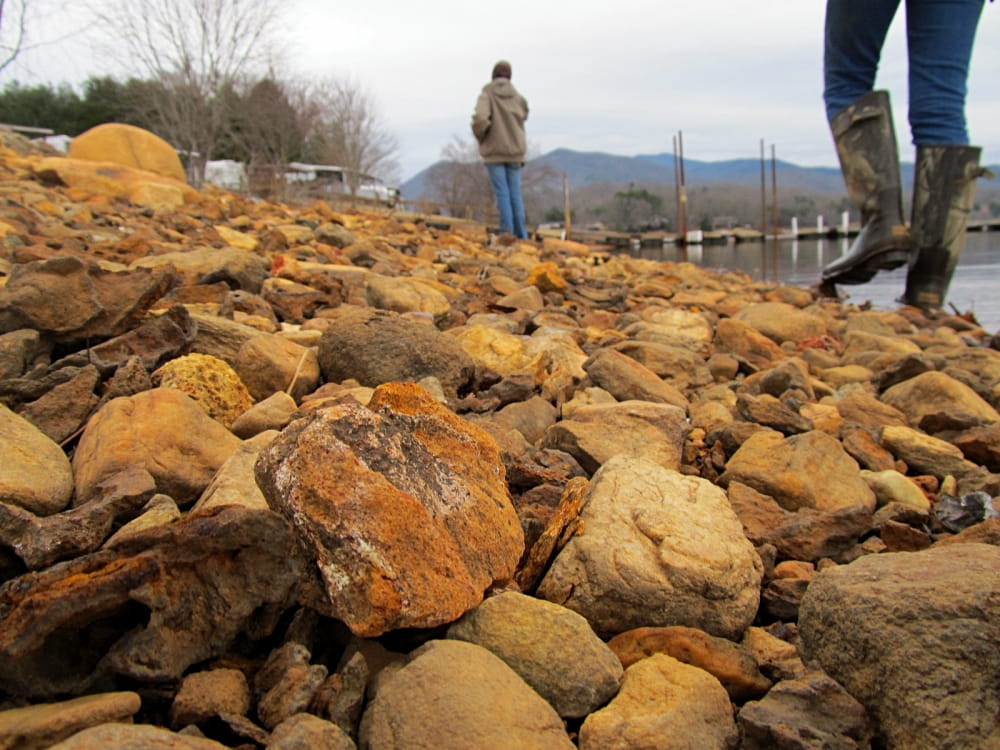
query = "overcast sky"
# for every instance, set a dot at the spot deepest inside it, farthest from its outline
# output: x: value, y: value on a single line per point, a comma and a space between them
x: 618, y: 77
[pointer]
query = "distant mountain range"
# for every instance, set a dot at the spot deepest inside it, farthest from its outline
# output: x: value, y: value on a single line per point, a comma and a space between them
x: 586, y: 168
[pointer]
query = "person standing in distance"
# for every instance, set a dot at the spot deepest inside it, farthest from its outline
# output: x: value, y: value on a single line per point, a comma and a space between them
x: 498, y: 125
x: 939, y: 35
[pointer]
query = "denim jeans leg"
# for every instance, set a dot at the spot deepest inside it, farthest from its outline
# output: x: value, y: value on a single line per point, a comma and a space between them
x: 498, y: 179
x: 940, y: 35
x: 854, y: 34
x: 516, y: 204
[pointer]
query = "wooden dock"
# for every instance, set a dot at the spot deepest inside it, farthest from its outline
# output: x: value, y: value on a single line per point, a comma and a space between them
x: 625, y: 240
x: 647, y: 240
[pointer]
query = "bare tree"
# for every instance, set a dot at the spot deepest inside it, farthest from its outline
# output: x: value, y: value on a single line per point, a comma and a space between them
x: 196, y: 51
x: 268, y: 128
x: 13, y: 30
x: 459, y: 181
x: 27, y: 28
x: 350, y: 133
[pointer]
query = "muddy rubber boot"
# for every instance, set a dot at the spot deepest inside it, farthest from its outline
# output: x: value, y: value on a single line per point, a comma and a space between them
x: 869, y: 159
x: 944, y: 190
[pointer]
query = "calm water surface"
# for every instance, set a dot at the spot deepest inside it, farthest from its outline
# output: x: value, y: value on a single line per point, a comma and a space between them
x: 975, y: 287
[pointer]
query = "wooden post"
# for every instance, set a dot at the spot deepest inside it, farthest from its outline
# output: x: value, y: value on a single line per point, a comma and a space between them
x: 774, y: 193
x: 683, y: 187
x: 567, y: 214
x: 763, y: 195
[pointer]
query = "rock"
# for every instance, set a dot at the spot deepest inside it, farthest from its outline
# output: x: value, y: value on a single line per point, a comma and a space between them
x: 341, y: 698
x: 270, y: 364
x: 39, y: 542
x: 18, y: 351
x: 405, y: 709
x: 42, y: 725
x: 293, y: 302
x: 375, y: 347
x: 165, y: 599
x: 304, y: 732
x: 35, y: 474
x: 134, y: 737
x: 212, y: 383
x: 160, y: 510
x: 746, y: 343
x: 782, y: 322
x: 909, y: 366
x: 527, y: 298
x: 864, y: 409
x: 161, y: 430
x: 128, y: 145
x: 205, y: 695
x: 925, y: 454
x: 505, y: 353
x: 863, y: 448
x: 273, y: 413
x: 892, y: 487
x: 154, y: 342
x: 730, y: 663
x: 561, y: 525
x: 778, y: 659
x: 678, y: 366
x: 768, y: 411
x: 531, y: 417
x: 403, y: 505
x: 861, y: 342
x: 595, y: 434
x: 234, y: 483
x: 936, y: 397
x: 546, y: 277
x: 981, y: 445
x: 207, y: 265
x: 959, y: 513
x: 628, y: 380
x: 811, y: 713
x: 663, y: 704
x: 676, y: 326
x: 656, y: 548
x: 804, y: 534
x: 404, y: 295
x: 220, y: 337
x: 798, y: 471
x: 552, y: 648
x: 64, y: 409
x: 912, y: 636
x: 71, y: 300
x: 291, y: 694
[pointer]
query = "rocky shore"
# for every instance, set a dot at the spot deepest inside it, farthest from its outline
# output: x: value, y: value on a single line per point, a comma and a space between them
x: 286, y: 477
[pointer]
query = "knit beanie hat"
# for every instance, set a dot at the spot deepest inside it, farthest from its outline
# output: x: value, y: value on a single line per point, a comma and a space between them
x: 501, y: 69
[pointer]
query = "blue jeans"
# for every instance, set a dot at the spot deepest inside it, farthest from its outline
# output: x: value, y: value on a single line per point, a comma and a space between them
x: 939, y: 38
x: 506, y: 181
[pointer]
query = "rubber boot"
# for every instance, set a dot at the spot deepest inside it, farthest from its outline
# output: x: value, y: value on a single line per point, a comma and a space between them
x: 944, y: 190
x: 869, y: 158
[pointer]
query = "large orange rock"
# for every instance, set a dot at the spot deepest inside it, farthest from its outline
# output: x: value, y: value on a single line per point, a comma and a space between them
x: 140, y: 187
x: 129, y: 146
x: 403, y: 505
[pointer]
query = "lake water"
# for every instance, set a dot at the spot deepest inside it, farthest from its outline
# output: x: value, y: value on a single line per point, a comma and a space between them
x: 975, y: 287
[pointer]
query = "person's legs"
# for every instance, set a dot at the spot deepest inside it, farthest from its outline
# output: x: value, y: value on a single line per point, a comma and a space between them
x: 498, y: 179
x: 516, y: 204
x: 944, y: 192
x: 854, y: 33
x: 940, y: 35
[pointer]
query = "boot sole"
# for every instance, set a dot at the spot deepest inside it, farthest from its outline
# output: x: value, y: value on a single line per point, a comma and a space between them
x: 887, y: 260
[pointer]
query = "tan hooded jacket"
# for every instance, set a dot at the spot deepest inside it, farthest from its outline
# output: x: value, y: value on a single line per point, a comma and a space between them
x: 498, y: 122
